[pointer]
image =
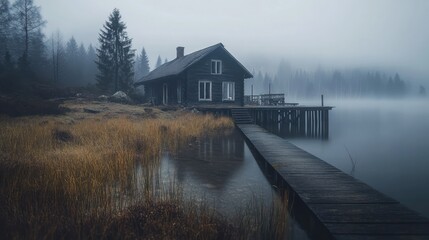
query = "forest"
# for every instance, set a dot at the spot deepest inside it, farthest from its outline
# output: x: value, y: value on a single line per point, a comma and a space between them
x: 300, y: 83
x: 36, y: 63
x: 48, y: 65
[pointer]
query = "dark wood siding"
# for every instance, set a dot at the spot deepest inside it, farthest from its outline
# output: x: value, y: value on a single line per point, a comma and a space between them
x: 155, y: 91
x: 201, y: 71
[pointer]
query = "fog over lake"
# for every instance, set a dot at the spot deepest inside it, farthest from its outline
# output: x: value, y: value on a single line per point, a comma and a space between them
x: 360, y: 33
x: 106, y: 124
x: 358, y: 48
x: 389, y: 142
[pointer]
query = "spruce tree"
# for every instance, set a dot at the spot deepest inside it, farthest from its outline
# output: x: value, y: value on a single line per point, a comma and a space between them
x: 142, y: 64
x: 72, y: 67
x: 158, y: 62
x: 82, y: 56
x: 115, y: 56
x: 91, y: 66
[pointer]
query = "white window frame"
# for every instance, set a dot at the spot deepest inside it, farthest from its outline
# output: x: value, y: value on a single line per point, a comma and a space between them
x: 218, y: 66
x: 228, y: 90
x: 204, y: 98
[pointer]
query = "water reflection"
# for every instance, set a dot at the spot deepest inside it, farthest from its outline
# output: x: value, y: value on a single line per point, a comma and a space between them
x: 221, y: 170
x: 211, y: 161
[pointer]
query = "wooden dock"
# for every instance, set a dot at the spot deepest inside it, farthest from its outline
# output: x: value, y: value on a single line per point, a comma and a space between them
x: 338, y: 206
x: 308, y: 121
x: 292, y: 120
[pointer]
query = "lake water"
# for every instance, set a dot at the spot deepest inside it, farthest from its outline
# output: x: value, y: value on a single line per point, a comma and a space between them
x: 222, y: 171
x: 387, y: 140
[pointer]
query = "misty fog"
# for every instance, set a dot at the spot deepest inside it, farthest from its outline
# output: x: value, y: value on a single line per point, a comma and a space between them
x: 390, y: 35
x: 70, y: 68
x: 387, y: 142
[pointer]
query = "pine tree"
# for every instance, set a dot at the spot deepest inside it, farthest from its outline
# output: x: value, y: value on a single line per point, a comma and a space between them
x: 115, y: 56
x: 142, y: 64
x: 158, y: 62
x: 399, y: 85
x: 267, y: 83
x: 81, y: 64
x: 91, y: 66
x: 259, y: 84
x: 73, y: 71
x: 82, y: 53
x: 282, y: 78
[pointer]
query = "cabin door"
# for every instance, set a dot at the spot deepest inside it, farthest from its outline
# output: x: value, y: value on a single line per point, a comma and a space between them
x: 165, y: 94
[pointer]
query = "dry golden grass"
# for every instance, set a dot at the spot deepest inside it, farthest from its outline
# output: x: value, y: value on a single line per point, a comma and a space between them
x: 75, y: 177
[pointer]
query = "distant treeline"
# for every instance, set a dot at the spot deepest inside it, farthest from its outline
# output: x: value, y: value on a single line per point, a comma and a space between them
x: 353, y: 83
x: 29, y: 61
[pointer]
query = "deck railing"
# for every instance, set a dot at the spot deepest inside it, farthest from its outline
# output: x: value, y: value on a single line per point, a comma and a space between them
x: 265, y: 99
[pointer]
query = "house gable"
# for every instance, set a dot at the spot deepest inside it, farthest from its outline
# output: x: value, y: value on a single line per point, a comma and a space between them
x: 232, y: 72
x: 179, y: 65
x: 191, y: 79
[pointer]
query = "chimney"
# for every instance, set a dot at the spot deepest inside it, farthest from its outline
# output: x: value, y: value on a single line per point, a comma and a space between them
x: 180, y: 52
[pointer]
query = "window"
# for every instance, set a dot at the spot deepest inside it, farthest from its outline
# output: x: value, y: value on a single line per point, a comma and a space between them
x: 228, y: 91
x: 216, y: 67
x: 205, y: 90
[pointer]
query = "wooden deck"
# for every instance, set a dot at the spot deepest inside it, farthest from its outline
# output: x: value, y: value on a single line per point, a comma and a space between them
x: 297, y: 120
x: 341, y: 206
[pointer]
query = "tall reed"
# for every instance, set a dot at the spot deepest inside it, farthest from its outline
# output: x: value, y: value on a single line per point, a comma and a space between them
x: 79, y: 180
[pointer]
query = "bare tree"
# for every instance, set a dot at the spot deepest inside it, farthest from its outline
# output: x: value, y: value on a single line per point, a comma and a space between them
x: 28, y: 23
x: 5, y: 21
x: 57, y: 55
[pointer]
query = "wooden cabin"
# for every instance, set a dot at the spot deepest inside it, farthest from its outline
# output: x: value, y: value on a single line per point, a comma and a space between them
x: 205, y: 77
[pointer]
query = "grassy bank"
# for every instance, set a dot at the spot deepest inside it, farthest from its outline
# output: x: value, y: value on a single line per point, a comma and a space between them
x: 75, y: 177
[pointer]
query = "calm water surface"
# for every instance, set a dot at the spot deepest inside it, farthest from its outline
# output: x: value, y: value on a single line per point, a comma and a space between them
x: 222, y: 171
x: 387, y: 140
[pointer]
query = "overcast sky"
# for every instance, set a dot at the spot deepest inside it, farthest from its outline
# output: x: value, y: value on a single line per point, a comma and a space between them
x: 388, y: 33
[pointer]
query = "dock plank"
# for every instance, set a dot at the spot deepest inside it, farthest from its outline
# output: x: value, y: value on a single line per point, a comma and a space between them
x: 379, y: 229
x: 345, y: 206
x: 333, y: 196
x: 380, y: 237
x: 366, y: 213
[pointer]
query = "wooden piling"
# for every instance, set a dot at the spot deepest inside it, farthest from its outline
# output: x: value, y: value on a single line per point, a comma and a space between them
x: 309, y: 121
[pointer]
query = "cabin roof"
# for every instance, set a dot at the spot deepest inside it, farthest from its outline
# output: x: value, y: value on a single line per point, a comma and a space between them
x: 178, y: 65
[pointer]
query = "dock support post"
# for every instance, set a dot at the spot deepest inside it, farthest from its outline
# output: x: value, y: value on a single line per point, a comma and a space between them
x: 302, y: 122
